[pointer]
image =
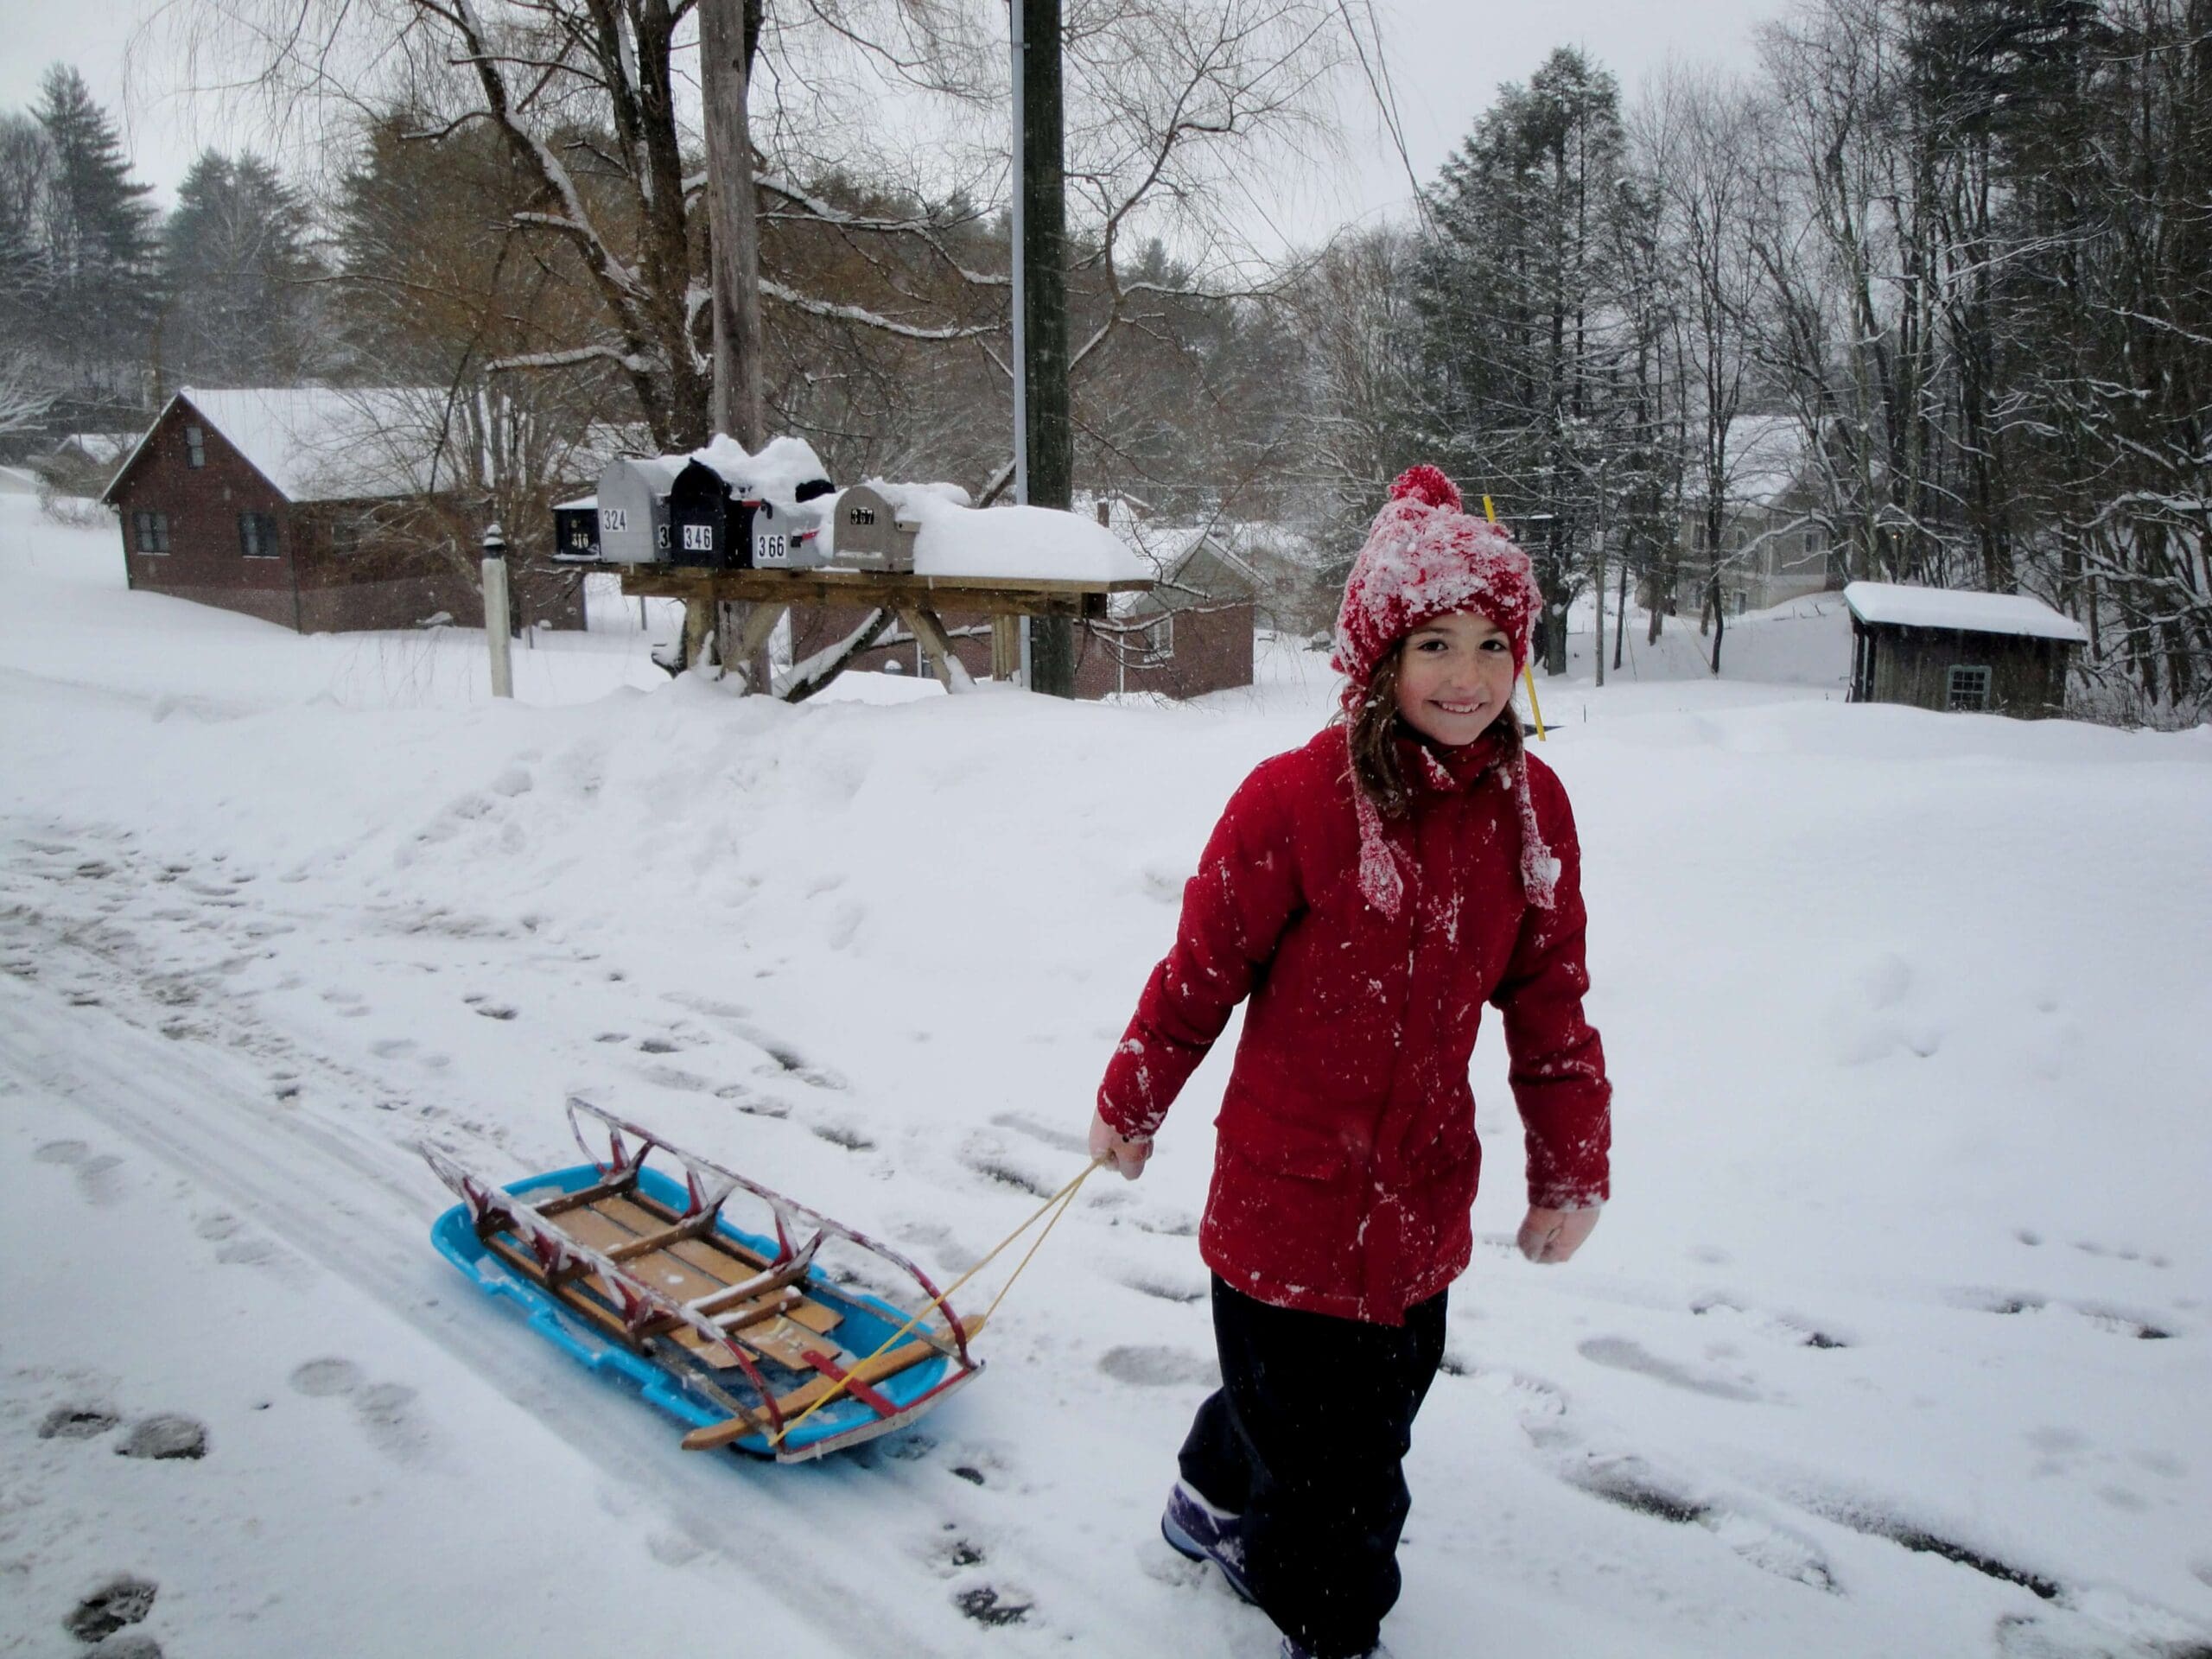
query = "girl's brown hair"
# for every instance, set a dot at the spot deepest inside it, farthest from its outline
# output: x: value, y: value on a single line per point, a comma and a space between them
x: 1374, y: 729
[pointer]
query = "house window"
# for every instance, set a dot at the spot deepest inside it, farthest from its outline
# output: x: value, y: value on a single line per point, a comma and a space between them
x: 1157, y: 642
x: 256, y: 534
x: 195, y: 447
x: 1970, y: 689
x: 150, y: 530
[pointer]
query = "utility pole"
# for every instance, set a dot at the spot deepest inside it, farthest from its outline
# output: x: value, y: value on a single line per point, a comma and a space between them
x: 1044, y: 457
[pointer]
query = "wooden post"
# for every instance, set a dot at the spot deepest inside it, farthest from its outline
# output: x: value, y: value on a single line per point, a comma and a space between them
x: 1005, y: 647
x: 496, y: 617
x: 1050, y: 436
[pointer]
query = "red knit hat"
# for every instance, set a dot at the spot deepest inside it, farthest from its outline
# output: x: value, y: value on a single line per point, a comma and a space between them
x: 1426, y: 555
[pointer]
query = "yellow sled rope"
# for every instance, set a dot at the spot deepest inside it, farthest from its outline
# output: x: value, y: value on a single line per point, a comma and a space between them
x: 1063, y: 1199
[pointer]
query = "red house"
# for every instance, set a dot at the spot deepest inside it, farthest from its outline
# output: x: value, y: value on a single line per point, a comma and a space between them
x: 319, y: 508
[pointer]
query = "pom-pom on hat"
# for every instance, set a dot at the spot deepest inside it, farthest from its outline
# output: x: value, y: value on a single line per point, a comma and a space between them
x: 1426, y: 555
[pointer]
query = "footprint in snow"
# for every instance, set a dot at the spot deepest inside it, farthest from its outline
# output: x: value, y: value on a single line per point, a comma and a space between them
x: 168, y: 1437
x: 123, y: 1600
x: 99, y: 1178
x: 388, y: 1415
x: 77, y: 1423
x: 1620, y: 1354
x: 321, y: 1378
x: 62, y: 1151
x: 2111, y: 1321
x: 1165, y: 1290
x: 1057, y: 1136
x: 1780, y: 1327
x: 1160, y: 1368
x: 1635, y: 1485
x: 987, y: 1605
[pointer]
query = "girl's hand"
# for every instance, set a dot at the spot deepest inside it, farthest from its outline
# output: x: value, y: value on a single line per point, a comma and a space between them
x: 1127, y: 1155
x: 1550, y: 1236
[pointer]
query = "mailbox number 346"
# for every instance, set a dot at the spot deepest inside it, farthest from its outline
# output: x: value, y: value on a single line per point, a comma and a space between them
x: 698, y: 538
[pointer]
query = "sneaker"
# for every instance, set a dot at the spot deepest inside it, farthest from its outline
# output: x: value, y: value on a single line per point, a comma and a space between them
x: 1194, y: 1527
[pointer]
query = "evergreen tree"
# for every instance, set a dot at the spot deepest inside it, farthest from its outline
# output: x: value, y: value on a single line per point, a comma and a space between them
x: 99, y: 236
x: 1520, y: 290
x: 238, y: 265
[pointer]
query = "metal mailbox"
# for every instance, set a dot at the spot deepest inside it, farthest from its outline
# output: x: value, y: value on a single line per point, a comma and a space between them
x: 575, y: 530
x: 871, y: 535
x: 789, y: 537
x: 632, y: 503
x: 709, y: 525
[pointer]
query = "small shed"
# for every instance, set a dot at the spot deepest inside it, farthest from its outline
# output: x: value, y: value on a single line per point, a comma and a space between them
x: 1954, y: 649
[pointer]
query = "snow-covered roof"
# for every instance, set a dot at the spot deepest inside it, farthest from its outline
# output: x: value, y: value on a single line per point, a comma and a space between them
x: 99, y: 446
x: 1898, y: 604
x: 325, y: 443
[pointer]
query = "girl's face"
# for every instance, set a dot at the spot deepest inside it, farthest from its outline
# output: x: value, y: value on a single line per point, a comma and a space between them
x: 1455, y: 676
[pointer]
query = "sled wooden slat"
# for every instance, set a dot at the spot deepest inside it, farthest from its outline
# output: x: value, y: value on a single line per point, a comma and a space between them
x: 675, y: 1233
x: 614, y: 1187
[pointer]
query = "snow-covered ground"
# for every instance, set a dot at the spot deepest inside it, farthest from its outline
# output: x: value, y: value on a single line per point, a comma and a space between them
x: 1893, y: 1341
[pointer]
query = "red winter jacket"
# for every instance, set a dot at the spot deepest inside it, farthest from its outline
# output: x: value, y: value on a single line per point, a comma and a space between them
x: 1347, y: 1160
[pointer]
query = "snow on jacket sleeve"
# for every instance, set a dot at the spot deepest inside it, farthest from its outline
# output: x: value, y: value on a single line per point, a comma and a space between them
x: 1235, y: 909
x: 1558, y: 1066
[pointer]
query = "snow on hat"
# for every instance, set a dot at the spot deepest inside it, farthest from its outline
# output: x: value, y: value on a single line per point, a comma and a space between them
x: 1426, y: 555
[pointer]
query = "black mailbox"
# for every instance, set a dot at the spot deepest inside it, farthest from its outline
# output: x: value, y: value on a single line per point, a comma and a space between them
x: 709, y: 525
x: 575, y: 530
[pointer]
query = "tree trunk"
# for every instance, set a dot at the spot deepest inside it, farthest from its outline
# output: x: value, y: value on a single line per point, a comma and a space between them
x: 1045, y: 314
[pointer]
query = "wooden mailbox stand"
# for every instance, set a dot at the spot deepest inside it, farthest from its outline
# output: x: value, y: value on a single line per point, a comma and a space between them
x: 914, y: 599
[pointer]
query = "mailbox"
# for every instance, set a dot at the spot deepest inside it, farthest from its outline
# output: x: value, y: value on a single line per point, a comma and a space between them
x: 575, y: 530
x: 871, y: 533
x: 709, y: 525
x: 789, y: 537
x: 633, y: 509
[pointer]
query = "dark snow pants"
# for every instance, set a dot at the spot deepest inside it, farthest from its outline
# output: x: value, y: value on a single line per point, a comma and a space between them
x: 1305, y: 1438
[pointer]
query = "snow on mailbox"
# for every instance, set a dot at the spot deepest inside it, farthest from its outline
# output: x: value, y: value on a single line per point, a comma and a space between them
x: 871, y: 533
x: 633, y: 509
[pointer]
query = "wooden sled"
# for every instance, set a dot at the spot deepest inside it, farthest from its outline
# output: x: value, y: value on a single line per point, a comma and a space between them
x: 739, y: 1333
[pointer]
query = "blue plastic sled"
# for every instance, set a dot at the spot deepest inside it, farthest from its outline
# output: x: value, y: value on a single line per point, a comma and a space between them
x: 745, y: 1336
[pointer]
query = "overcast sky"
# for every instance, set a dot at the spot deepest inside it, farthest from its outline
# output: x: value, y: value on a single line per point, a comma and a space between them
x: 1445, y: 58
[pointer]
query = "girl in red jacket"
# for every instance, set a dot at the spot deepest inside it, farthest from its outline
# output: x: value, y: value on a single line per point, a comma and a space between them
x: 1370, y: 892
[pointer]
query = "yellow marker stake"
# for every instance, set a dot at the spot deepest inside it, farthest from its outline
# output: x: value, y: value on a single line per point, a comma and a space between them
x: 1527, y: 675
